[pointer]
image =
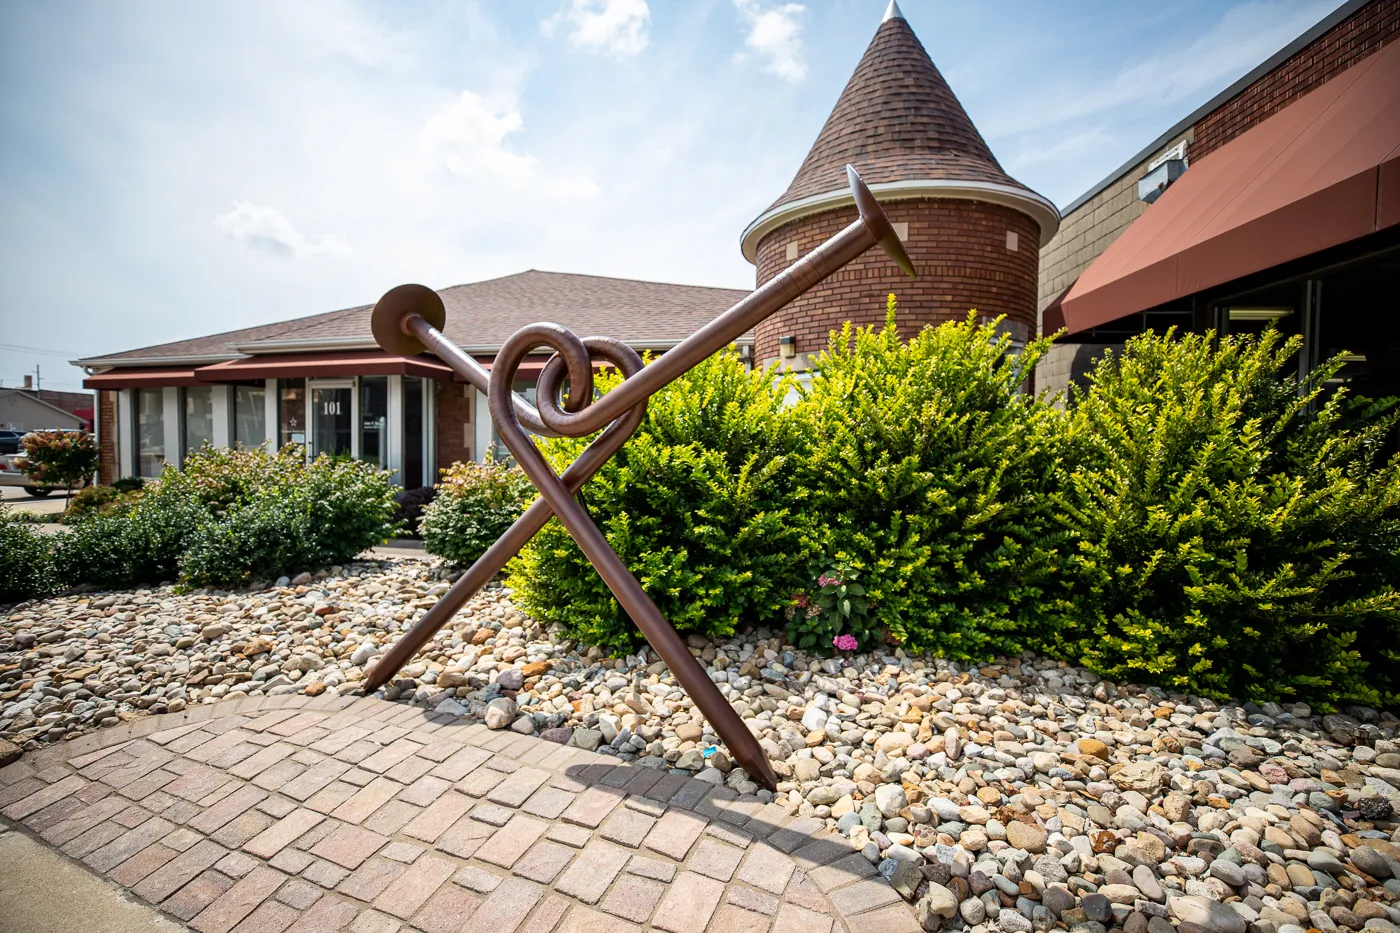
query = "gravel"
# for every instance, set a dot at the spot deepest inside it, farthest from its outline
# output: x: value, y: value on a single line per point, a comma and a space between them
x: 1014, y: 796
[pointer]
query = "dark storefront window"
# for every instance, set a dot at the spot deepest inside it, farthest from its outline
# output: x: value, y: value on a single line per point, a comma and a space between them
x: 1358, y: 319
x: 374, y: 419
x: 1347, y: 310
x: 412, y: 475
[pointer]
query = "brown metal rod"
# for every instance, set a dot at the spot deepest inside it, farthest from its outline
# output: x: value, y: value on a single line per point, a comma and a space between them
x: 625, y: 588
x: 470, y: 370
x: 408, y: 319
x: 518, y: 534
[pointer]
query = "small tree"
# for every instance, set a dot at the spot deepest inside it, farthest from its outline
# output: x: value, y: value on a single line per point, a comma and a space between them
x: 60, y: 458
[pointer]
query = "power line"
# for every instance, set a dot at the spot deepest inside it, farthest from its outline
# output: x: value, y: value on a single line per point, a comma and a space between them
x: 57, y: 353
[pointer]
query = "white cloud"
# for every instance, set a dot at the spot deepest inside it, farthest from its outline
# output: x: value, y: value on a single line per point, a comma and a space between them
x: 1074, y: 145
x: 469, y: 137
x: 775, y: 34
x: 260, y: 227
x: 1241, y: 38
x: 609, y: 27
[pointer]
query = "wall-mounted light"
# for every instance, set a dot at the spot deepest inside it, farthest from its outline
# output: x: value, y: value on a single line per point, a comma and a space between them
x: 1259, y: 314
x: 787, y: 347
x: 1161, y: 172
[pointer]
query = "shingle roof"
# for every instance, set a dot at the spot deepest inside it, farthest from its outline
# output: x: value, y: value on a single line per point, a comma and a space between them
x: 897, y: 120
x: 212, y: 346
x: 484, y: 314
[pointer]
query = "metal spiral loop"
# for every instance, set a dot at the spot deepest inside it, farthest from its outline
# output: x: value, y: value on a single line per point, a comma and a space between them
x: 573, y: 359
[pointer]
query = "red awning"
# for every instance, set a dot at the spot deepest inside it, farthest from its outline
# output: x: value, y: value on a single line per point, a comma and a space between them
x: 294, y: 366
x: 1323, y: 171
x: 317, y: 365
x: 151, y: 377
x: 1052, y: 318
x: 530, y: 367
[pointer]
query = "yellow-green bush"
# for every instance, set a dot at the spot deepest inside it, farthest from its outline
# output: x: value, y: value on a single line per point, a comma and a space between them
x: 1233, y: 531
x: 696, y: 504
x: 925, y: 468
x: 1195, y: 517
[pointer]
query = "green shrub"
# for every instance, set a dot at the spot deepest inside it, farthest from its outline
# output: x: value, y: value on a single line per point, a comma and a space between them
x: 138, y: 541
x: 232, y: 515
x: 475, y: 504
x: 696, y: 504
x: 129, y: 484
x: 26, y: 560
x: 1233, y: 534
x: 301, y: 517
x: 94, y: 500
x: 408, y: 508
x: 926, y: 468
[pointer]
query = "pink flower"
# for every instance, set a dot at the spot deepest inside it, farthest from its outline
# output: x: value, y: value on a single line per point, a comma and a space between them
x: 845, y: 643
x: 824, y: 580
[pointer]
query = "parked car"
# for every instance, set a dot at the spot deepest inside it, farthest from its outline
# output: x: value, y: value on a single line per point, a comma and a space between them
x: 9, y: 441
x: 12, y: 475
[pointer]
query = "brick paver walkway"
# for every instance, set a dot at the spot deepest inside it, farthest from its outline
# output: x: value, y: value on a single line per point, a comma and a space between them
x: 266, y: 815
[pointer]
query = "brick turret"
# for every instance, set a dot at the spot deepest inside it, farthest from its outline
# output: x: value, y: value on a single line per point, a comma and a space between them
x: 973, y: 231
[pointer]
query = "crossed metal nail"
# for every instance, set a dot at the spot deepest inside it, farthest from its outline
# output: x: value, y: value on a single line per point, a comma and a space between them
x: 408, y: 320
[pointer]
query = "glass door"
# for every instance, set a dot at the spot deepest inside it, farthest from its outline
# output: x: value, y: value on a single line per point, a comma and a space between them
x: 331, y: 418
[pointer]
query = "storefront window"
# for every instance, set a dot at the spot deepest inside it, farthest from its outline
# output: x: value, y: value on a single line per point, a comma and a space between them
x: 199, y: 417
x: 412, y: 473
x: 150, y: 431
x: 291, y: 412
x: 374, y: 417
x: 1357, y: 321
x: 249, y: 416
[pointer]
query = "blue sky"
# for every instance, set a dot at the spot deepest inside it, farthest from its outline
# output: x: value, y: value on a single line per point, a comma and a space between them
x: 173, y: 169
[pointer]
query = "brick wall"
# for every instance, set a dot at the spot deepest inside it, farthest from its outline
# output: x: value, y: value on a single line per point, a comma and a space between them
x: 455, y: 409
x: 1336, y: 50
x: 107, y: 466
x: 958, y: 246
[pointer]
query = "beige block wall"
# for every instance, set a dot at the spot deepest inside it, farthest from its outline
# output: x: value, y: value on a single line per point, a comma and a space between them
x: 1082, y: 237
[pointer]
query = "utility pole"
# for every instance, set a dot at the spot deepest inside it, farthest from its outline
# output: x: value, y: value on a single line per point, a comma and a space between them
x: 38, y: 382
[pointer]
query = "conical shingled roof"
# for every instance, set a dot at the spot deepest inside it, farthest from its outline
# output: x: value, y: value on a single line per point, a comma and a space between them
x: 897, y: 120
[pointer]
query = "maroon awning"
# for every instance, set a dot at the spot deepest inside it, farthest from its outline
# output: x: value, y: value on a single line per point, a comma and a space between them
x: 318, y: 365
x: 1323, y: 171
x: 141, y: 378
x: 1052, y: 318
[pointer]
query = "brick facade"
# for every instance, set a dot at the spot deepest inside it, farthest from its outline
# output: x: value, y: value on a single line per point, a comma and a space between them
x: 1336, y: 50
x: 107, y: 465
x: 456, y: 424
x: 958, y: 246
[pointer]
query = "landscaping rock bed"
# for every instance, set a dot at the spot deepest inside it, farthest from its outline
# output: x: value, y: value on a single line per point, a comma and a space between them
x: 1014, y: 796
